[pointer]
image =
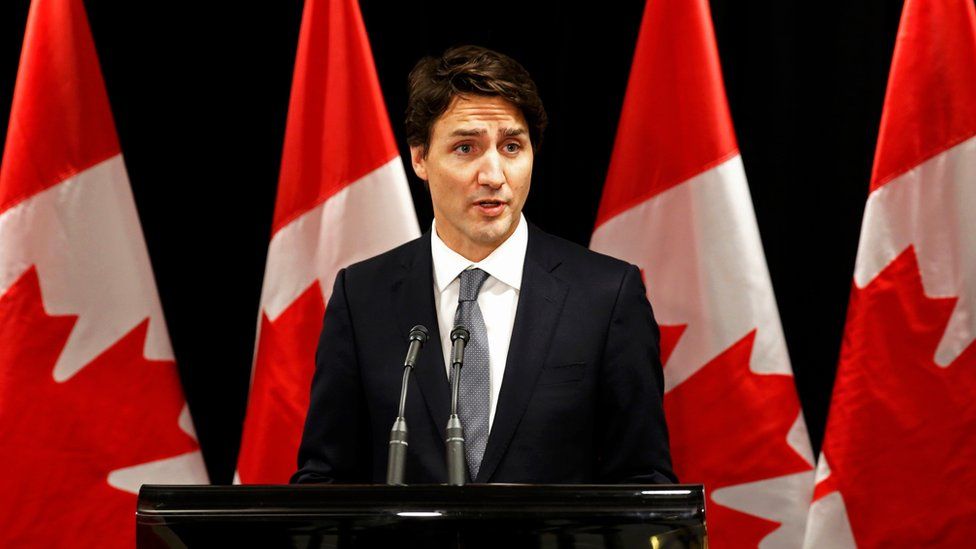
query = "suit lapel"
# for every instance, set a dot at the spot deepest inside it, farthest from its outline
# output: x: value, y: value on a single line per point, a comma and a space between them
x: 540, y: 302
x: 413, y: 297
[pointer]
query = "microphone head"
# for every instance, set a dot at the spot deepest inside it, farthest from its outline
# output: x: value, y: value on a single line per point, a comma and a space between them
x: 460, y: 332
x: 418, y: 333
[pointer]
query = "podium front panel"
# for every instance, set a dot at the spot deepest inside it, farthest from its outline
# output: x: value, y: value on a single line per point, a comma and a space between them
x: 472, y: 516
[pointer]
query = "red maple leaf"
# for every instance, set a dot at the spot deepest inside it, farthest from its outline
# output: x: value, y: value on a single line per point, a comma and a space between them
x: 279, y: 396
x: 729, y: 426
x: 61, y: 440
x: 901, y: 436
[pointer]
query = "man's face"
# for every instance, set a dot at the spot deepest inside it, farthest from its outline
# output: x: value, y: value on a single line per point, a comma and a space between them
x: 478, y: 167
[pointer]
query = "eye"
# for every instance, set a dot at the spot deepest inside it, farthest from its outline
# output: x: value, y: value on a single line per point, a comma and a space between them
x: 463, y: 148
x: 512, y: 147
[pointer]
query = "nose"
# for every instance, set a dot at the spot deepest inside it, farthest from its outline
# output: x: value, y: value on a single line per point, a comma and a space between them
x: 491, y: 173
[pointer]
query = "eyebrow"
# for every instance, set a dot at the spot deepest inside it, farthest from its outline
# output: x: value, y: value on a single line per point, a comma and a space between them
x: 509, y: 132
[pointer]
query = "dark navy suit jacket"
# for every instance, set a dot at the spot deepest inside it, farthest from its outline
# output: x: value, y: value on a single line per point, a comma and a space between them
x: 580, y: 401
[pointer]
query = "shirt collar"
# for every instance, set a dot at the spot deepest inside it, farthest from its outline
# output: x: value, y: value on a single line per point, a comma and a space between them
x: 505, y: 263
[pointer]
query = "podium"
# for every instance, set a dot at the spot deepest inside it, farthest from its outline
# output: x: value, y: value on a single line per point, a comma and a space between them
x: 506, y: 516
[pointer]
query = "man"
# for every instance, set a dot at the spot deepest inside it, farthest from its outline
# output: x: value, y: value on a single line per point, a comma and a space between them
x: 562, y: 380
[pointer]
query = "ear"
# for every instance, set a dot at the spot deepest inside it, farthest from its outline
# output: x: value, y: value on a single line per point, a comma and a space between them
x: 418, y: 161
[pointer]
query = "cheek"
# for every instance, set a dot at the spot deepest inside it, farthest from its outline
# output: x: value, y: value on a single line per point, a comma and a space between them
x: 522, y: 167
x: 447, y: 194
x: 523, y: 176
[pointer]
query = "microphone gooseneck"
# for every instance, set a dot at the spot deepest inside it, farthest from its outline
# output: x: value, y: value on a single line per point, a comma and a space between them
x: 418, y: 336
x: 396, y: 463
x: 456, y: 473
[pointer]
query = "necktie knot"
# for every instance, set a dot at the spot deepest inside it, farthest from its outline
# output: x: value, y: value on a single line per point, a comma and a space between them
x: 471, y: 282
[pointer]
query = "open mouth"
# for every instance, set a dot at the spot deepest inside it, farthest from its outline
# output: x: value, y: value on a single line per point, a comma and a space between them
x: 490, y: 206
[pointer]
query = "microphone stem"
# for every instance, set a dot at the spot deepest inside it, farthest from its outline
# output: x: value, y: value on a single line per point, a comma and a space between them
x: 456, y: 470
x: 455, y: 386
x: 456, y: 463
x: 397, y: 458
x: 403, y: 390
x: 396, y: 461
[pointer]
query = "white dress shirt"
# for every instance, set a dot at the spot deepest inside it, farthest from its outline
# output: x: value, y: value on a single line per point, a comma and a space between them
x: 498, y: 298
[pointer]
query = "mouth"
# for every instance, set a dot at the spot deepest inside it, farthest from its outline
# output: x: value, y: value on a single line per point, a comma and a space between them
x: 490, y: 207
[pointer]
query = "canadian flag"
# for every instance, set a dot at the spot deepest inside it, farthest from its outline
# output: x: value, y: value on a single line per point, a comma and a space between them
x: 676, y: 203
x: 342, y: 198
x: 897, y: 466
x: 91, y: 405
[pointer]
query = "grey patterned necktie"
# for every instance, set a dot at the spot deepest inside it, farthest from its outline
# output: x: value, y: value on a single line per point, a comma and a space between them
x: 475, y: 391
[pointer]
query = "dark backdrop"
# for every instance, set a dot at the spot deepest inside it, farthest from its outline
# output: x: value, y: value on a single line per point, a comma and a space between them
x: 200, y: 91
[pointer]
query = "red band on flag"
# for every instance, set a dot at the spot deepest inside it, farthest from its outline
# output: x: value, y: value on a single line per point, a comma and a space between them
x: 676, y: 104
x: 334, y: 84
x: 929, y: 104
x: 60, y: 121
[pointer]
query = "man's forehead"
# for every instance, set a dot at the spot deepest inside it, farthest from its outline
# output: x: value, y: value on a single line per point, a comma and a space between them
x: 473, y: 115
x: 478, y: 132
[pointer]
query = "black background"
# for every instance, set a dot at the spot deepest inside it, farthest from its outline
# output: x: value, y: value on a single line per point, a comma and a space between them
x: 200, y: 93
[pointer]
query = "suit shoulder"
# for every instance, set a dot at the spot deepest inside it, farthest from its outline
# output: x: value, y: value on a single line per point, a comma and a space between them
x: 365, y: 277
x: 580, y: 257
x: 381, y: 263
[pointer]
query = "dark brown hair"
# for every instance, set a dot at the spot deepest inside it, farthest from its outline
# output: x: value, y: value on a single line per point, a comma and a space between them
x: 468, y: 70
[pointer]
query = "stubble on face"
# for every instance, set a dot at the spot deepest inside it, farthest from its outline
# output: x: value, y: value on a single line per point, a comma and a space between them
x: 478, y: 167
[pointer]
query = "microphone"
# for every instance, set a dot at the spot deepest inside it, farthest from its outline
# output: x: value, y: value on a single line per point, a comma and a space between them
x: 456, y: 472
x: 398, y: 434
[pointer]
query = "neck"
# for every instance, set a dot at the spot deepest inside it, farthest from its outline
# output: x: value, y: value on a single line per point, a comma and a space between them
x: 468, y: 249
x: 472, y: 251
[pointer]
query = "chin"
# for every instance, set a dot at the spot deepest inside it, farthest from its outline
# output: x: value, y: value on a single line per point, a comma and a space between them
x: 493, y: 232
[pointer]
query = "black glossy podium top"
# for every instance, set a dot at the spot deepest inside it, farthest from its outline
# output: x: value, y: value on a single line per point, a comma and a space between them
x: 429, y: 516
